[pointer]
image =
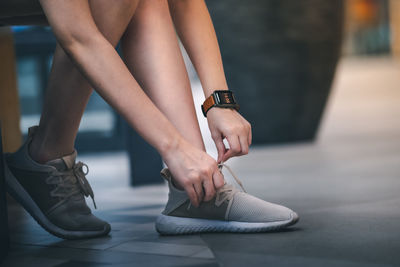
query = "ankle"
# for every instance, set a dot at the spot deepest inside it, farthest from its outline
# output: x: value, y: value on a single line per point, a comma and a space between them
x: 42, y: 152
x: 37, y: 154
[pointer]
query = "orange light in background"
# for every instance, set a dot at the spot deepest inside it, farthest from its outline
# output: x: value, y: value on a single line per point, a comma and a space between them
x: 364, y: 11
x: 367, y: 27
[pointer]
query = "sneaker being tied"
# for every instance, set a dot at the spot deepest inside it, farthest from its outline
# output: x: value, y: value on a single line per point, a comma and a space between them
x: 231, y: 210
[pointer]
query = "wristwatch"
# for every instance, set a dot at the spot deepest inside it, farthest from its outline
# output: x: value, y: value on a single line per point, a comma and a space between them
x: 219, y: 98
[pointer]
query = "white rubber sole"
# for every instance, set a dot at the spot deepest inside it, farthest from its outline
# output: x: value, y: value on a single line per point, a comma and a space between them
x: 16, y: 190
x: 173, y: 225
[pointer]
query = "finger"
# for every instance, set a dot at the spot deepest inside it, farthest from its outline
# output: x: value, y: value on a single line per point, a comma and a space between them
x: 220, y: 147
x: 209, y: 189
x: 192, y: 195
x: 198, y: 187
x: 250, y: 136
x: 218, y: 179
x: 234, y: 147
x: 244, y: 145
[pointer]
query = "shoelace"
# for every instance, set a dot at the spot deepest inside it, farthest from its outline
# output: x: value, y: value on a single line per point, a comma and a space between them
x: 227, y: 191
x: 71, y: 182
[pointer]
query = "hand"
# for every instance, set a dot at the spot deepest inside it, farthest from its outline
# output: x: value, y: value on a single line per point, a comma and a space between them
x: 228, y: 123
x: 194, y: 169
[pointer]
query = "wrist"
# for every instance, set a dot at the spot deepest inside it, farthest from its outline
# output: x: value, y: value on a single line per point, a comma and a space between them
x: 216, y: 111
x: 221, y: 99
x: 209, y: 88
x: 170, y: 145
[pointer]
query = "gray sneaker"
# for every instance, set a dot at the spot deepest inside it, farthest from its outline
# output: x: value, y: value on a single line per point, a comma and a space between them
x: 54, y: 193
x: 231, y: 210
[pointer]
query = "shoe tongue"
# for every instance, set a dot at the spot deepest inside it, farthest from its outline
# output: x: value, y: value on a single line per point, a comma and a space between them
x: 64, y: 163
x: 166, y: 174
x: 58, y: 164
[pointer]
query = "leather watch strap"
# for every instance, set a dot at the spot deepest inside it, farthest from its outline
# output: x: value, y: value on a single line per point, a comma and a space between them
x: 208, y: 103
x: 221, y: 99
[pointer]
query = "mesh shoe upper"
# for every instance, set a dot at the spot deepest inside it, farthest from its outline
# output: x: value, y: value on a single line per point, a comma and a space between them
x: 58, y: 188
x: 228, y: 204
x: 247, y: 208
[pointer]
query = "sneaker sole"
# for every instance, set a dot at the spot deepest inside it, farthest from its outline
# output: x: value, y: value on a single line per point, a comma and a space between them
x: 172, y: 225
x: 15, y: 189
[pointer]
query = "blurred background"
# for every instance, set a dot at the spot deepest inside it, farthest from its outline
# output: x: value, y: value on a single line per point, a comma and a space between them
x: 369, y: 31
x: 319, y: 81
x: 287, y: 65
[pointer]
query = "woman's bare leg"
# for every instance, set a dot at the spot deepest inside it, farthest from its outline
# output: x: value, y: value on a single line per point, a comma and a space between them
x: 68, y: 91
x: 96, y: 58
x: 152, y: 54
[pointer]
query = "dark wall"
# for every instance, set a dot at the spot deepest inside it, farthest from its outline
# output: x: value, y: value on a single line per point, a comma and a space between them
x: 280, y: 57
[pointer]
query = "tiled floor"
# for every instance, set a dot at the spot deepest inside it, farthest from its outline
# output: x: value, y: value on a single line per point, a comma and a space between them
x: 345, y: 187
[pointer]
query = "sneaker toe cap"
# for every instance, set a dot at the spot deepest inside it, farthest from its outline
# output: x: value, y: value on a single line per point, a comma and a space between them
x: 248, y: 208
x: 75, y: 215
x: 89, y: 222
x: 80, y: 222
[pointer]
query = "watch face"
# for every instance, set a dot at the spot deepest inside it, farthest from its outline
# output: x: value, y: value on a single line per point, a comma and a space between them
x: 224, y: 97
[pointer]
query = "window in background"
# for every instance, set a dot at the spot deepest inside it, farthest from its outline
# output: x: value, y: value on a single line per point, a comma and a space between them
x: 99, y: 129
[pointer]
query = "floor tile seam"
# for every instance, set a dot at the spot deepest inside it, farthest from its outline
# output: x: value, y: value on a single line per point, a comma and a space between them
x: 119, y: 244
x: 321, y: 258
x: 210, y: 248
x: 52, y: 246
x: 137, y: 239
x: 202, y: 249
x: 168, y: 255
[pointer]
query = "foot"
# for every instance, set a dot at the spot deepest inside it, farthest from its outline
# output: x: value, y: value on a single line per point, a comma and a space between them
x: 231, y: 210
x: 54, y: 193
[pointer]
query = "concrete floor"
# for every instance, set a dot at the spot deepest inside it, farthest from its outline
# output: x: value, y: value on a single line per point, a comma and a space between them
x: 345, y: 188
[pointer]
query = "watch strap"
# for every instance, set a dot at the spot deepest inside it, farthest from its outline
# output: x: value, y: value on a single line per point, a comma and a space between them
x: 208, y: 103
x: 219, y: 98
